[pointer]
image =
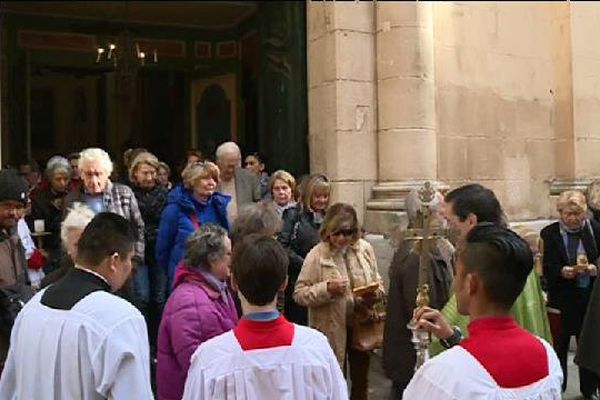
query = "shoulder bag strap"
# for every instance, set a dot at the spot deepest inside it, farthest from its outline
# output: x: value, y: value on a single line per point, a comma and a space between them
x: 195, y: 221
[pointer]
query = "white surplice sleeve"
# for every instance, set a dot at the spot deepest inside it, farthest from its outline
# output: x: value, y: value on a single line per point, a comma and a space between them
x: 122, y: 362
x: 194, y: 384
x: 339, y: 386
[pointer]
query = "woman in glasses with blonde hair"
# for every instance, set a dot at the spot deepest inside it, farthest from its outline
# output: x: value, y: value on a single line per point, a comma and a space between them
x: 341, y: 286
x: 190, y: 204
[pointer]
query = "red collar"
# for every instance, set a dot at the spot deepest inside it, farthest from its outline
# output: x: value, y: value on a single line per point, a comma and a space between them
x: 253, y: 335
x: 494, y: 342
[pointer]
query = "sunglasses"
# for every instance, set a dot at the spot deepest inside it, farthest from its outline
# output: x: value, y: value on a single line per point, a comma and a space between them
x: 345, y: 232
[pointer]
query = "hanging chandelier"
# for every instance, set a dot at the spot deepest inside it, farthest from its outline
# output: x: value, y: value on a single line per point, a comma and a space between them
x: 125, y: 52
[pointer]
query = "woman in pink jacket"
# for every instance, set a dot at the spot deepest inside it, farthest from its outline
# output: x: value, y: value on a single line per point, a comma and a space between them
x: 199, y: 308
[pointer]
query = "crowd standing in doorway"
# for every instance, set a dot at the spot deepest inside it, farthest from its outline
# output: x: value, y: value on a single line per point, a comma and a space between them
x: 230, y: 282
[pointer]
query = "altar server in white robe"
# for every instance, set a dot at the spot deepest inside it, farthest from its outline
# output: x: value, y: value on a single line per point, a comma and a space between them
x: 499, y: 360
x: 77, y: 340
x: 265, y: 356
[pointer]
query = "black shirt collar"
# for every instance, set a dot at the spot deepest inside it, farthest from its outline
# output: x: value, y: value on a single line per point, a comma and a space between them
x: 76, y: 285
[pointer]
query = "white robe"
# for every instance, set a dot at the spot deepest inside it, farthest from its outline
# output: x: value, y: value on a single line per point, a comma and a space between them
x: 98, y: 349
x: 456, y: 375
x: 307, y: 369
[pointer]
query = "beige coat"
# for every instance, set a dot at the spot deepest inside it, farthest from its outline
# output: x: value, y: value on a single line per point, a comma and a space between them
x: 329, y: 314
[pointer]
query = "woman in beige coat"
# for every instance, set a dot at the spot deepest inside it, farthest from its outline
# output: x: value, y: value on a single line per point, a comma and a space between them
x: 340, y: 262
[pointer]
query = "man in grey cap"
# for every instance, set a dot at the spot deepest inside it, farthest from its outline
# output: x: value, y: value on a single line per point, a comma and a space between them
x: 13, y: 265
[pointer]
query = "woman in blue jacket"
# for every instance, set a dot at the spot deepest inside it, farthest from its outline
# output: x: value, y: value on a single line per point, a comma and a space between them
x: 190, y: 204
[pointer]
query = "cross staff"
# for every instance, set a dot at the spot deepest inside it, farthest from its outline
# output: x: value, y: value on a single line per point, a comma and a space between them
x: 423, y: 236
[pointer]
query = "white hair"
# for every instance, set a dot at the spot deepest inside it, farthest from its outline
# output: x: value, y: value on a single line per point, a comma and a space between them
x: 413, y: 204
x: 228, y: 148
x: 58, y: 163
x: 77, y: 218
x: 96, y: 154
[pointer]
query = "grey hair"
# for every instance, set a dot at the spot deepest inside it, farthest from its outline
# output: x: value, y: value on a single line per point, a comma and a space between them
x: 227, y: 148
x: 256, y: 218
x: 205, y: 246
x: 77, y: 218
x: 96, y: 154
x: 413, y: 205
x: 58, y: 164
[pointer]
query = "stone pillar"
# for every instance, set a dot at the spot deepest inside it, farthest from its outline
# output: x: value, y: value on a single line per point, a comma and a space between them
x: 406, y: 133
x: 341, y: 97
x: 578, y: 103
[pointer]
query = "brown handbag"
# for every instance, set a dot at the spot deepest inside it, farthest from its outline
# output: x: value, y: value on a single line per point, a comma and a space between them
x: 368, y: 323
x: 368, y: 335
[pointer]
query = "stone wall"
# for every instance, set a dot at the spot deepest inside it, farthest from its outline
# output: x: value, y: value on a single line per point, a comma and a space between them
x: 506, y: 94
x: 517, y: 98
x: 341, y: 98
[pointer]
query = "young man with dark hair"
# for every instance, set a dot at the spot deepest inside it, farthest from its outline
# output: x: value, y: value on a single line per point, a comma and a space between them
x: 499, y: 358
x: 468, y: 205
x: 464, y: 208
x: 75, y: 339
x: 265, y: 356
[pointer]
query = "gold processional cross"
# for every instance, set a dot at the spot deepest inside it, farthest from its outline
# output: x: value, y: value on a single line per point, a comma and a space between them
x: 423, y: 234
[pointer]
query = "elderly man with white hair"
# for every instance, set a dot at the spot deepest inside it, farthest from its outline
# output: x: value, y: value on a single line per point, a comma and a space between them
x: 242, y: 185
x: 102, y: 195
x: 398, y: 351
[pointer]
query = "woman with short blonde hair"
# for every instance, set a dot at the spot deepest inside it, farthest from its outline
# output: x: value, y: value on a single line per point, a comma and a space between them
x: 282, y: 186
x: 573, y: 200
x: 203, y: 169
x: 300, y: 233
x: 191, y: 204
x: 152, y: 199
x: 144, y: 158
x: 571, y: 248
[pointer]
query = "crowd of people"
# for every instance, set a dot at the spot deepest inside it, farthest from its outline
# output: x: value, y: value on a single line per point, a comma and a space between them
x: 230, y: 282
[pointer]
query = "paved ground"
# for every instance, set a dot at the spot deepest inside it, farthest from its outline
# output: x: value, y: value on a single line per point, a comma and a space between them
x: 379, y: 385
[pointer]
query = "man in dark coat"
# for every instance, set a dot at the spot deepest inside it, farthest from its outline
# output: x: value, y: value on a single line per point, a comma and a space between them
x: 399, y: 354
x: 13, y: 265
x: 588, y: 356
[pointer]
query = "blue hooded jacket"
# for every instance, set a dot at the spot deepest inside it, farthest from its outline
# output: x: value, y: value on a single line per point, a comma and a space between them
x: 176, y: 224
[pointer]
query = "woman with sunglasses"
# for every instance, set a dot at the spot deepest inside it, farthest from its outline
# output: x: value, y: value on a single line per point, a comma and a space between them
x: 340, y: 263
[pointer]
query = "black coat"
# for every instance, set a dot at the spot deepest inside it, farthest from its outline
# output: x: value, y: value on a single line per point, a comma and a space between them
x: 588, y: 356
x: 399, y: 354
x: 151, y: 204
x: 564, y: 294
x: 43, y: 207
x: 299, y: 234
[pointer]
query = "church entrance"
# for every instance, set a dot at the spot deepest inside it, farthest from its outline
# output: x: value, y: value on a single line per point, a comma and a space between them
x: 73, y: 76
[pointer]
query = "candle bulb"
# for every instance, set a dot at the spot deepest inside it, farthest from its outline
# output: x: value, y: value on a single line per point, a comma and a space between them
x: 100, y: 51
x: 111, y: 48
x: 155, y: 56
x: 137, y: 50
x: 143, y: 58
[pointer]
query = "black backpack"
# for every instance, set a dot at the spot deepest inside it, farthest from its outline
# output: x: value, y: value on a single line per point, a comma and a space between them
x: 12, y: 301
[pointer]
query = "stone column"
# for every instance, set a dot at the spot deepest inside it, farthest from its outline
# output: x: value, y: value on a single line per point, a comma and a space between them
x: 341, y: 97
x: 578, y: 103
x: 406, y: 133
